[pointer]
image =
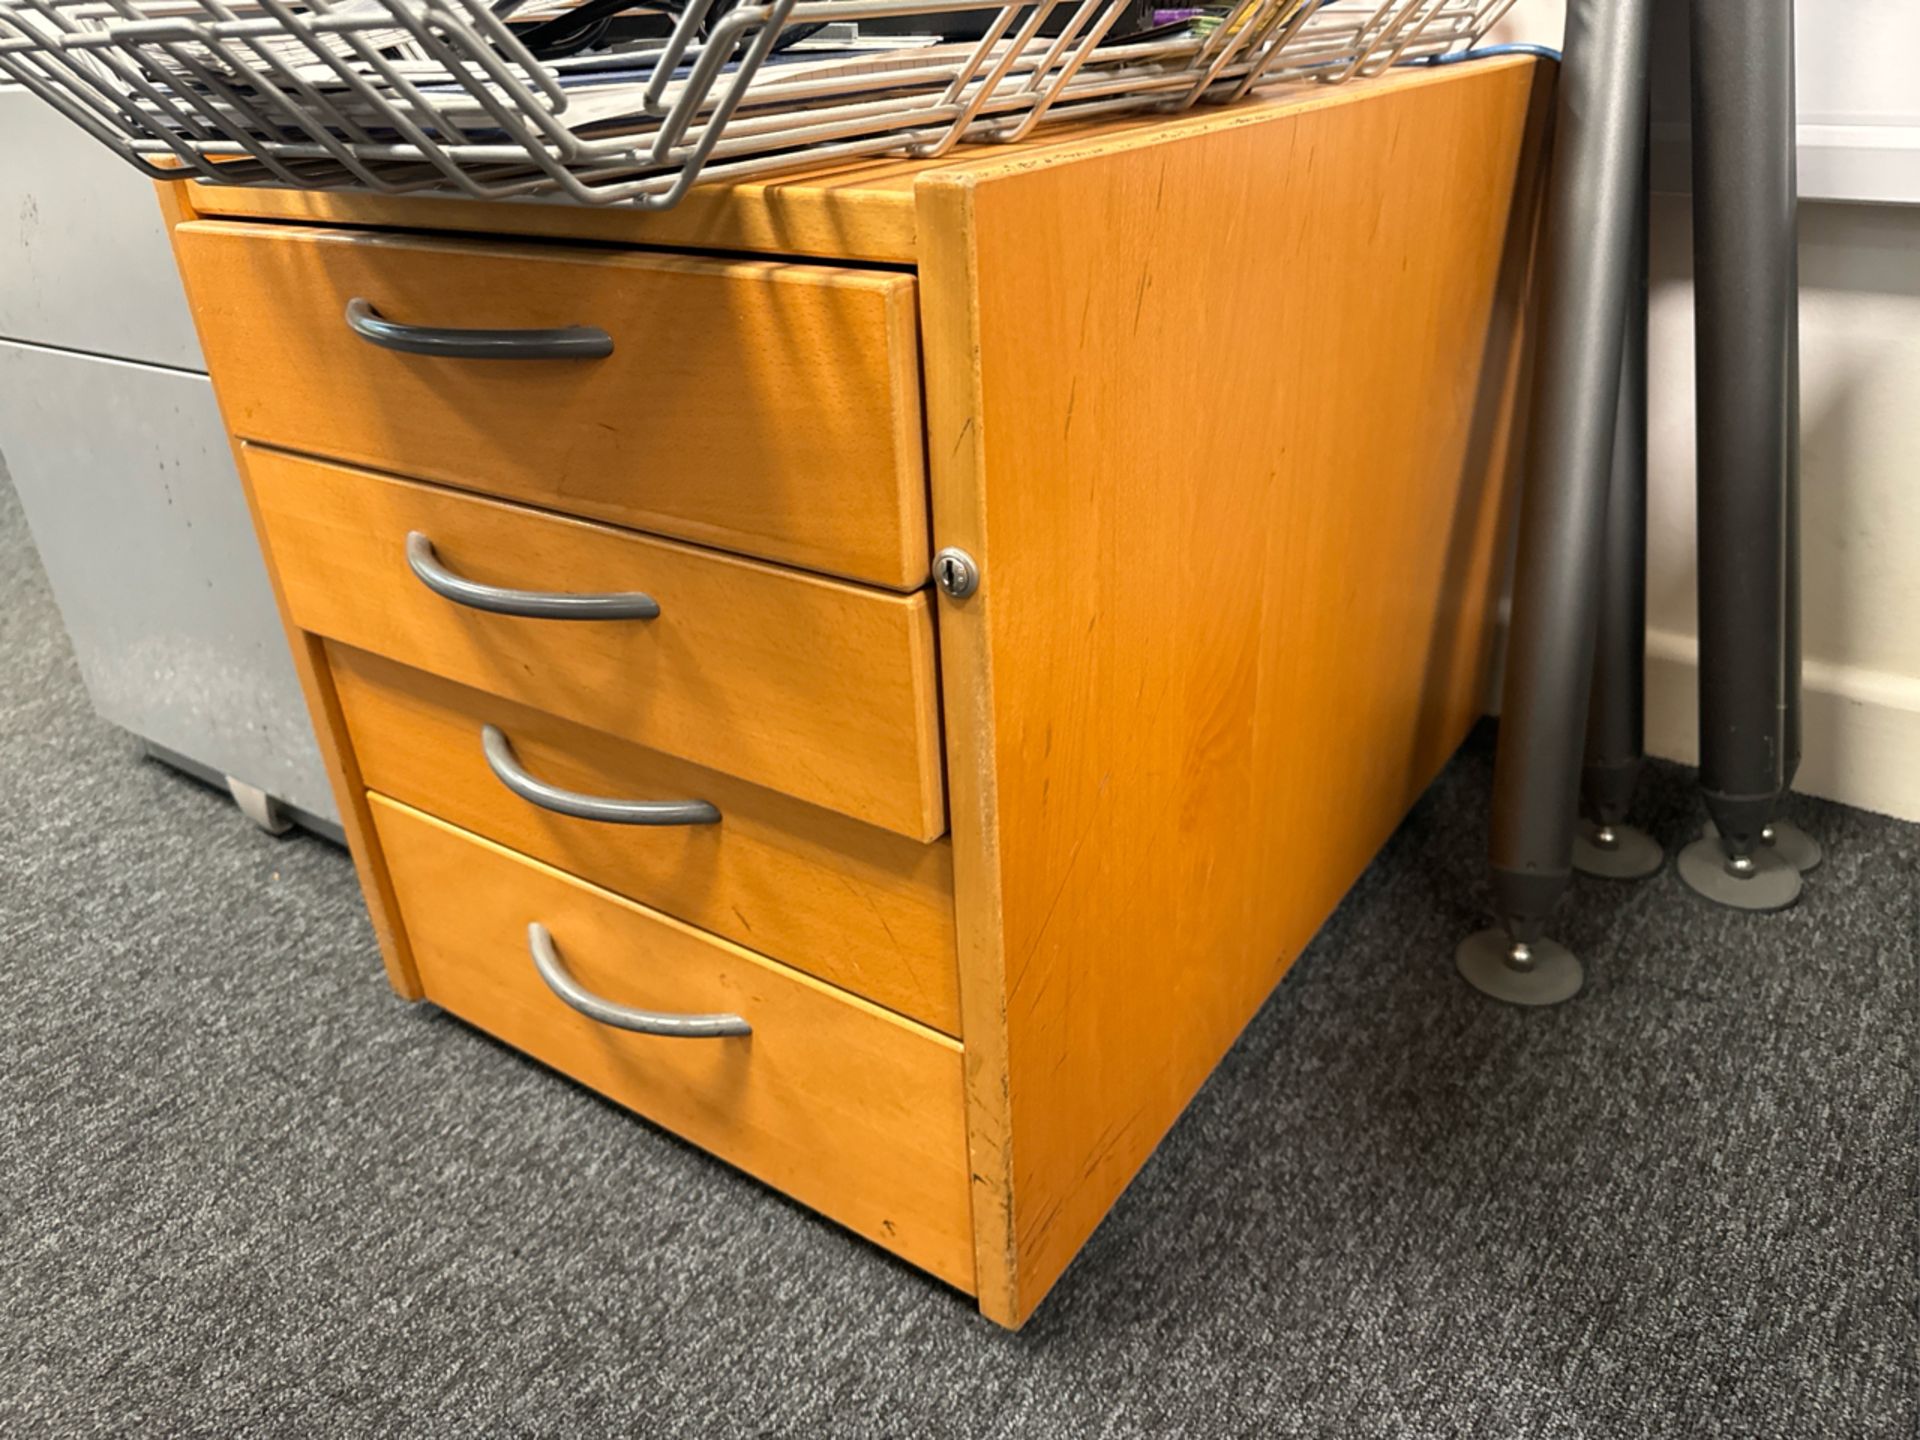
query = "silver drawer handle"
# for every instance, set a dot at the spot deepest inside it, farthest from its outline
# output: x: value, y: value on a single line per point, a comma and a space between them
x: 546, y: 960
x: 574, y: 342
x: 509, y: 772
x: 528, y: 604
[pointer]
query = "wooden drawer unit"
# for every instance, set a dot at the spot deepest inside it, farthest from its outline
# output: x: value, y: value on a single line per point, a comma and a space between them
x: 814, y: 687
x: 768, y: 408
x: 844, y: 1106
x: 1225, y: 618
x: 855, y: 905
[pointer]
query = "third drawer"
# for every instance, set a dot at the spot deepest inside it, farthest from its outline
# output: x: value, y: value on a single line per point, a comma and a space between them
x: 855, y: 905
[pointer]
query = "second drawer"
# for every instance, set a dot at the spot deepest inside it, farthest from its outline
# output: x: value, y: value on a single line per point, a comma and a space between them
x: 817, y: 688
x: 859, y: 907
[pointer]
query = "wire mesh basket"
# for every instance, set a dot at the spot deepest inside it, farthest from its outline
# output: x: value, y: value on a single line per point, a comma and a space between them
x: 505, y: 99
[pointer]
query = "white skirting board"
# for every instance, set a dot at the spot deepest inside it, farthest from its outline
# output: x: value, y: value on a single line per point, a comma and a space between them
x: 1860, y: 729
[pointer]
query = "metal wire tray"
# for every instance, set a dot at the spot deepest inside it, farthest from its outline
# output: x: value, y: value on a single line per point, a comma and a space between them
x: 413, y: 96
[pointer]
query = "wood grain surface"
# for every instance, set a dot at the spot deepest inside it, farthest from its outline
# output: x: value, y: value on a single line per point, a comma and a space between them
x: 1235, y: 475
x: 814, y: 687
x: 855, y: 905
x: 845, y: 1107
x: 765, y: 408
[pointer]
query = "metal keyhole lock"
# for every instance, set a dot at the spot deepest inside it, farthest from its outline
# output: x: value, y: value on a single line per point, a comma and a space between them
x: 955, y: 572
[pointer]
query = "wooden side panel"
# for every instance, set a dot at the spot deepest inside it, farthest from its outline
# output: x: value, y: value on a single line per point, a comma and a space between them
x: 1223, y: 416
x: 845, y: 1107
x: 323, y: 703
x: 764, y: 408
x: 817, y: 688
x: 855, y: 905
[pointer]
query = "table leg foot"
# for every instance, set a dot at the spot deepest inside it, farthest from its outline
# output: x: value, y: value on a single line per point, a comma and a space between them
x: 1540, y: 973
x: 1615, y: 852
x: 1785, y: 839
x: 1758, y: 881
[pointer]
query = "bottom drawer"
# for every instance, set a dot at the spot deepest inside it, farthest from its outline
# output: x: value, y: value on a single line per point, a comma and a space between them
x: 845, y: 1107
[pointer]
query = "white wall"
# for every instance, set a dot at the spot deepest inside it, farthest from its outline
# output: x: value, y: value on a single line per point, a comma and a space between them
x: 1859, y: 103
x: 1860, y: 500
x: 1860, y: 525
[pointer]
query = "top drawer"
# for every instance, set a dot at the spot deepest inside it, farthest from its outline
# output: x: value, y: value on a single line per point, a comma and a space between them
x: 767, y: 408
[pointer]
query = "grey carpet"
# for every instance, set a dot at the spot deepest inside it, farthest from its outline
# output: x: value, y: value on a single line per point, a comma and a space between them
x: 244, y: 1191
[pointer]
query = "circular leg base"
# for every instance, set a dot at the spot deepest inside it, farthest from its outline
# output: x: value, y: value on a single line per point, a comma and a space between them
x: 1617, y: 852
x: 1486, y: 961
x: 1796, y: 847
x: 1771, y: 885
x: 1788, y: 841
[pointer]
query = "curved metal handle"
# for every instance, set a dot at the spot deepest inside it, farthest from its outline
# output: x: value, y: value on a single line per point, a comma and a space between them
x: 574, y: 342
x: 546, y: 959
x: 507, y: 770
x: 528, y: 604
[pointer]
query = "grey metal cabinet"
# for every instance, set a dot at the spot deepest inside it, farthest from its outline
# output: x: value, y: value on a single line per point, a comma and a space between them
x: 84, y: 259
x: 109, y: 431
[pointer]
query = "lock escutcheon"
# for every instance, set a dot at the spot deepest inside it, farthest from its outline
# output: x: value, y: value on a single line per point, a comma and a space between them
x: 955, y: 572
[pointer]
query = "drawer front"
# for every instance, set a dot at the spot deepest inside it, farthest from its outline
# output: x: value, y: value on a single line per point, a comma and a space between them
x: 772, y: 409
x: 857, y: 906
x: 845, y: 1107
x: 817, y: 688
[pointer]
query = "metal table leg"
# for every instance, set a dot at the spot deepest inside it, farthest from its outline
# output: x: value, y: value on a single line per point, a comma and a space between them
x: 1597, y: 152
x: 1605, y: 845
x: 1787, y: 840
x: 1744, y: 245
